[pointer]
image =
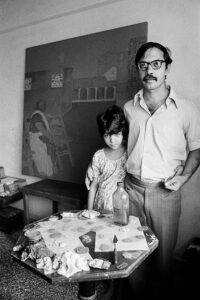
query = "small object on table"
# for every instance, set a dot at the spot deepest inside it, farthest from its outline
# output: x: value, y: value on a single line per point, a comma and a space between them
x: 53, y: 218
x: 65, y: 214
x: 11, y: 187
x: 99, y: 263
x: 20, y: 244
x: 120, y: 205
x: 90, y: 214
x: 115, y: 240
x: 122, y: 266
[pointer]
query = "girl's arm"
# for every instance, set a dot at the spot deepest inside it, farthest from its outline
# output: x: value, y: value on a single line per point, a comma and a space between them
x: 92, y: 193
x: 89, y: 176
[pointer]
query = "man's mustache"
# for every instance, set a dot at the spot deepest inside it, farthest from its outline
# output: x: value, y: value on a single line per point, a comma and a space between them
x: 148, y: 77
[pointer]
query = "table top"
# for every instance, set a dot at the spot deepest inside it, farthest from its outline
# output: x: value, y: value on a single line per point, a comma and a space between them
x: 135, y: 258
x: 54, y: 189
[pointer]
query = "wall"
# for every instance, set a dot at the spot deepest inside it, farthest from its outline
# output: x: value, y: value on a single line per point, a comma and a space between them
x: 26, y: 23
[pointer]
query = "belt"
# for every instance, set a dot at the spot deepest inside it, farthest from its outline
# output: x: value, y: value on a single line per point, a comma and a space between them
x: 144, y: 183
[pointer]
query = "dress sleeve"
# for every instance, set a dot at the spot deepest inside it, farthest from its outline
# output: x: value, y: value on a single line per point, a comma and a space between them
x: 93, y: 170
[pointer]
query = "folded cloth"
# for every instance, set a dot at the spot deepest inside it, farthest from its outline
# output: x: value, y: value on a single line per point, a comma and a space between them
x: 71, y: 263
x: 48, y: 268
x: 67, y: 264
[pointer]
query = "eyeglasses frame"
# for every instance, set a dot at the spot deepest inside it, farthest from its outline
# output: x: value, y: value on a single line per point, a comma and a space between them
x: 150, y: 63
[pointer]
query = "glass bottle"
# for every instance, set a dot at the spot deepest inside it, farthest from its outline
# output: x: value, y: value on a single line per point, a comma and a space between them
x: 120, y: 205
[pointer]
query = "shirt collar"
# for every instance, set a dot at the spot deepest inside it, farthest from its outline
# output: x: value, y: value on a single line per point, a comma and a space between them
x: 138, y: 96
x: 172, y: 96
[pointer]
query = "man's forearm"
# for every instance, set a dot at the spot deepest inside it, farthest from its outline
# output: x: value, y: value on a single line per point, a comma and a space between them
x: 192, y: 164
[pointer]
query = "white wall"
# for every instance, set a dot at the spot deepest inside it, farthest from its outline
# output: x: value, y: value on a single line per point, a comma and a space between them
x: 26, y: 23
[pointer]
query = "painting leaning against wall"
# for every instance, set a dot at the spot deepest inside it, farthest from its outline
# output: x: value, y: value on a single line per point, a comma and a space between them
x: 66, y: 84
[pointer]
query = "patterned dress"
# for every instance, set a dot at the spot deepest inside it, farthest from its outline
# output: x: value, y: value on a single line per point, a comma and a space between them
x: 108, y: 172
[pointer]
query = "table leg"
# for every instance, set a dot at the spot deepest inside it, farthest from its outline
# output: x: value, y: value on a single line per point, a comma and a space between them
x: 55, y: 207
x: 87, y: 291
x: 26, y: 208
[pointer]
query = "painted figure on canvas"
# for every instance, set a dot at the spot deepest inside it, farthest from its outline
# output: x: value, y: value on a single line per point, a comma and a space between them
x: 41, y: 141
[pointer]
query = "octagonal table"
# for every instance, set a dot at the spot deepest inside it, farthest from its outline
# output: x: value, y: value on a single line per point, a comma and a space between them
x: 87, y: 279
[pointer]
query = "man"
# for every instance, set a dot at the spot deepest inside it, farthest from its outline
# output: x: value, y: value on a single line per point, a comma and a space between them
x: 163, y: 148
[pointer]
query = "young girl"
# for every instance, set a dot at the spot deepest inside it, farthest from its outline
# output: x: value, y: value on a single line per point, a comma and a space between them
x: 108, y: 164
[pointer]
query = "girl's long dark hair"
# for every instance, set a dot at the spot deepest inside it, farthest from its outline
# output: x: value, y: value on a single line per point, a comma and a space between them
x: 112, y: 121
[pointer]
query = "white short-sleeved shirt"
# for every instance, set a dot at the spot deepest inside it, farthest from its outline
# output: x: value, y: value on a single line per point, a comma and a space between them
x: 158, y: 143
x: 108, y: 172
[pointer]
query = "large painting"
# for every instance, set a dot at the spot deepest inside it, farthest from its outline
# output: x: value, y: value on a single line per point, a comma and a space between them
x: 67, y: 83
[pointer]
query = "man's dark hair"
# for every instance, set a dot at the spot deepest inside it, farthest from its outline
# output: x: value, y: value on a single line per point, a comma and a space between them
x: 142, y: 50
x: 112, y: 121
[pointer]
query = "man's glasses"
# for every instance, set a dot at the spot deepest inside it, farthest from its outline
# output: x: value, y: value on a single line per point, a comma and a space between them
x: 155, y: 64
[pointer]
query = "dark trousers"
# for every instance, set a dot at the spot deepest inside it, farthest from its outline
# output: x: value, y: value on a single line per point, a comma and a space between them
x: 160, y: 209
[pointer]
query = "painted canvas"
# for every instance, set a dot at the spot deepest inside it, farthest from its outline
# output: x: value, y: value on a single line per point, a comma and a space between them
x: 67, y: 83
